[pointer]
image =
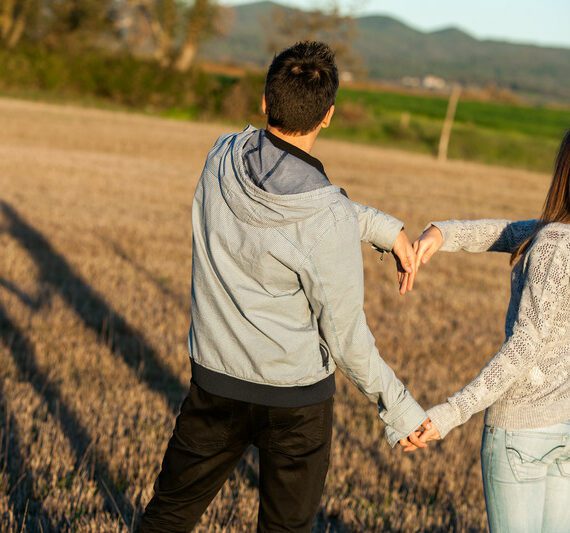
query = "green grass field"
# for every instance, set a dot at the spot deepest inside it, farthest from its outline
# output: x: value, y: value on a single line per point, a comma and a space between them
x: 499, y: 133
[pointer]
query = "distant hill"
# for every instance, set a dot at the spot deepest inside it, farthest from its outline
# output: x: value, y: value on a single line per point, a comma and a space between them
x: 392, y: 50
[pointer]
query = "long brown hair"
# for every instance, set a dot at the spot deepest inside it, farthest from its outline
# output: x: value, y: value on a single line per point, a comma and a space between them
x: 557, y: 204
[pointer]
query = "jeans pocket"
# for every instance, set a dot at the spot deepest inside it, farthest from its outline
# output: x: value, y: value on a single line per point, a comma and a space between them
x: 530, y: 453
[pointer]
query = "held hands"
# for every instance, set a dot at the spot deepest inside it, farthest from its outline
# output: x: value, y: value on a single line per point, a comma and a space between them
x: 418, y: 439
x: 409, y: 258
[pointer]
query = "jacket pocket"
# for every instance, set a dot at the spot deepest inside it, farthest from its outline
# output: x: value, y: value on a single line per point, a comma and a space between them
x: 325, y: 356
x: 530, y: 453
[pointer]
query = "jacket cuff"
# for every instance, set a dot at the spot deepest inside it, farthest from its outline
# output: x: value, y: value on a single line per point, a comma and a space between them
x: 385, y: 237
x: 402, y: 419
x: 444, y: 417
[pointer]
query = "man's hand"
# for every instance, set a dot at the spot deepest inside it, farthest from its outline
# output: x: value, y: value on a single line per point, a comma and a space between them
x: 405, y: 262
x: 424, y: 434
x: 426, y: 245
x: 413, y: 441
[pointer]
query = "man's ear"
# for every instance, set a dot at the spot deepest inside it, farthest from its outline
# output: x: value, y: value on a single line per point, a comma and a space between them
x: 263, y: 105
x: 328, y: 117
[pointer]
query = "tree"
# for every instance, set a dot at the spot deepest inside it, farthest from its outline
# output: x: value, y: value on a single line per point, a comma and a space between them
x: 200, y: 23
x: 15, y: 16
x: 177, y: 27
x: 328, y: 24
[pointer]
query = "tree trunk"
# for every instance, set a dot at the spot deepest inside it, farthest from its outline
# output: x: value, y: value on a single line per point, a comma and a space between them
x: 7, y: 19
x: 186, y: 57
x: 13, y: 21
x: 163, y: 43
x: 17, y: 31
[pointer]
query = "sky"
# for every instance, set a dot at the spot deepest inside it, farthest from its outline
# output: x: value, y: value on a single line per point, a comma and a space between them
x: 544, y: 22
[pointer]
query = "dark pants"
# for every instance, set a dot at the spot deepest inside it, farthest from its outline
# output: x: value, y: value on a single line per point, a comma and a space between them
x: 211, y: 435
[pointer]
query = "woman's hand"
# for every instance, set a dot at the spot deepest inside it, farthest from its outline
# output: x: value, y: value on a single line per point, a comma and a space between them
x: 425, y: 434
x: 429, y: 242
x: 413, y: 441
x: 430, y: 434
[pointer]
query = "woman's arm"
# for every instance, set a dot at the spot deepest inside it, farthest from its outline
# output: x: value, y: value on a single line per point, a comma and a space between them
x: 546, y: 285
x: 487, y: 235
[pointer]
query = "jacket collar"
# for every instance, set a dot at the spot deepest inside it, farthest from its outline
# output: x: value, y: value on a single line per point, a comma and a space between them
x: 295, y: 151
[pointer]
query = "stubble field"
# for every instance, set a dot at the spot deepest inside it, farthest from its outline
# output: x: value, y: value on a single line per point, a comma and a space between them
x: 95, y: 257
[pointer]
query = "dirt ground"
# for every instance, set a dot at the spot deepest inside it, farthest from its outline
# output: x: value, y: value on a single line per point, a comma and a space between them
x: 95, y: 253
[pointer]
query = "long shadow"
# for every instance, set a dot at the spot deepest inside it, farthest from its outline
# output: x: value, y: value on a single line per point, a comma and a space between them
x: 20, y: 481
x: 181, y: 302
x: 33, y: 303
x: 24, y: 356
x: 111, y: 328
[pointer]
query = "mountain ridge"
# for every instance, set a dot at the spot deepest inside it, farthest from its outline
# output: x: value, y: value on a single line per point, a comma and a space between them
x: 390, y: 50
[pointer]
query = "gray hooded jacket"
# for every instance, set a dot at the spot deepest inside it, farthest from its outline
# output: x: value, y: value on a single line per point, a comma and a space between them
x: 277, y: 284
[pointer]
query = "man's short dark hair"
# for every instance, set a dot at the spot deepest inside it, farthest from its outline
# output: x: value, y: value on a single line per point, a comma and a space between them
x: 300, y: 87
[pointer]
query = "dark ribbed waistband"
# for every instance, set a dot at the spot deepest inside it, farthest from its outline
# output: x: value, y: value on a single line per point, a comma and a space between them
x: 262, y: 394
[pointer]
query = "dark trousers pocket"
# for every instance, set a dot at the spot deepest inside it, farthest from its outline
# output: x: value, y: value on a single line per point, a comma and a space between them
x: 205, y: 420
x: 297, y: 430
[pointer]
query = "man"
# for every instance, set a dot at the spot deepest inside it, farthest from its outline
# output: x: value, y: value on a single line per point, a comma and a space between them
x: 277, y: 305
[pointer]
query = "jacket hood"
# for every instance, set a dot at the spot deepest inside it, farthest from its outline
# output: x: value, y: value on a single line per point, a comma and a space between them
x: 249, y: 202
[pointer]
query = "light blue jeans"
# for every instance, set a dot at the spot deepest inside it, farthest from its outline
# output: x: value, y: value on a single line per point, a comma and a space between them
x: 526, y: 479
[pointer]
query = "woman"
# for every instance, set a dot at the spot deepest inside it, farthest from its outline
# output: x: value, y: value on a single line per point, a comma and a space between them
x: 525, y: 387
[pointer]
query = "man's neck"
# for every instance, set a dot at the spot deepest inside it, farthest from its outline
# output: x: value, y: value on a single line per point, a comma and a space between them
x: 304, y: 142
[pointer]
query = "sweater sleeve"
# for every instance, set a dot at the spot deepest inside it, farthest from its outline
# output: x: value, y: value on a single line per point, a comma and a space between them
x: 333, y: 280
x: 546, y: 285
x: 484, y: 235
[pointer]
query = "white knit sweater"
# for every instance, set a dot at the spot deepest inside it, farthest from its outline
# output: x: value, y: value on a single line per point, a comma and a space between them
x: 527, y: 383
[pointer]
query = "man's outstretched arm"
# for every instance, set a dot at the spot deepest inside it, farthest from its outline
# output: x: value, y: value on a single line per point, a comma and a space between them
x: 332, y: 278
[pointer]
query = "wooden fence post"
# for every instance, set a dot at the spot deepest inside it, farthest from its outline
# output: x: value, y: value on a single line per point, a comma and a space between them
x: 448, y: 123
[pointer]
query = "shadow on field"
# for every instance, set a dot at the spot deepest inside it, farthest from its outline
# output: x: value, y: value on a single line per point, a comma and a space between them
x: 26, y: 299
x: 12, y: 465
x: 24, y: 357
x: 111, y: 328
x: 181, y: 302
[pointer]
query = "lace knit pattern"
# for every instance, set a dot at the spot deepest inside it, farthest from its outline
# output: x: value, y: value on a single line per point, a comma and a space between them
x: 527, y: 383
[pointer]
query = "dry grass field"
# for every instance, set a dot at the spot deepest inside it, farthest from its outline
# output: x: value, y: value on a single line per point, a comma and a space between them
x: 95, y: 252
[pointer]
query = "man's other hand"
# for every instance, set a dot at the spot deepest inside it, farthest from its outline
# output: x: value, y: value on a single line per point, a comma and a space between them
x: 405, y: 262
